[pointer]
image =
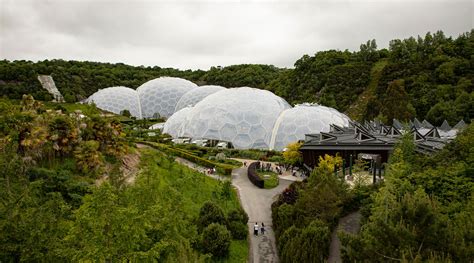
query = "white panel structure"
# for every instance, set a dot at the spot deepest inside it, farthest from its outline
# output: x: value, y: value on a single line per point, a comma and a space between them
x: 294, y: 123
x: 161, y: 95
x: 116, y: 100
x: 174, y: 126
x: 157, y: 126
x: 244, y: 116
x: 194, y: 96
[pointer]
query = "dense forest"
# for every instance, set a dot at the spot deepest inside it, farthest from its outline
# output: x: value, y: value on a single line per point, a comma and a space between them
x: 428, y: 77
x: 422, y: 212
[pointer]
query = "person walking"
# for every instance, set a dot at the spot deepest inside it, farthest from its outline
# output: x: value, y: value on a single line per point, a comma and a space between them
x: 262, y: 229
x: 255, y: 229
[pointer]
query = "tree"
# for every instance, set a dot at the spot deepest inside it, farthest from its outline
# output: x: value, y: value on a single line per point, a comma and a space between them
x: 210, y: 213
x: 292, y: 155
x: 216, y: 240
x: 88, y: 157
x: 309, y: 244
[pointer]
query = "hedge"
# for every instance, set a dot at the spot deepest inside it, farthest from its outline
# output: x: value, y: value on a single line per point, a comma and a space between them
x: 253, y: 176
x: 220, y: 168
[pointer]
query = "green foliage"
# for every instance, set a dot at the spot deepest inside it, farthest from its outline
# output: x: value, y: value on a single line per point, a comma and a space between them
x: 210, y: 213
x: 426, y: 76
x: 292, y: 155
x: 237, y: 223
x: 221, y: 168
x: 270, y: 179
x: 216, y: 240
x: 309, y: 244
x: 417, y: 214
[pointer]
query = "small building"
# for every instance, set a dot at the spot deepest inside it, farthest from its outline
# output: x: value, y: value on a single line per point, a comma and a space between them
x: 374, y: 138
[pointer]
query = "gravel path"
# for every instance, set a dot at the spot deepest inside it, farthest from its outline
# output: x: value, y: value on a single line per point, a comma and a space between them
x: 349, y: 224
x: 257, y: 203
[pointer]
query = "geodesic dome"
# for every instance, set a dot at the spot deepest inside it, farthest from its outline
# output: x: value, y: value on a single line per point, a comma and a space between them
x: 116, y: 100
x: 294, y: 123
x: 244, y: 116
x: 194, y: 96
x: 161, y: 95
x: 174, y: 125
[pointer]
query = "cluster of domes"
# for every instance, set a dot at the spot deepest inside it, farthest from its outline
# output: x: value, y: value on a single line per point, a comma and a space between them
x: 246, y: 117
x: 155, y: 98
x: 251, y: 119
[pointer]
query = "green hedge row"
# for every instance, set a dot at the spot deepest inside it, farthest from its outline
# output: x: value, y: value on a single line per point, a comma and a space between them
x: 220, y: 168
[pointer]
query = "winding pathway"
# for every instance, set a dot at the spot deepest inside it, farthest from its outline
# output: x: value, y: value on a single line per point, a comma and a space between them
x: 257, y: 203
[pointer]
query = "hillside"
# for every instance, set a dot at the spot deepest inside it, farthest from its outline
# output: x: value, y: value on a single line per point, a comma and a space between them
x: 425, y: 77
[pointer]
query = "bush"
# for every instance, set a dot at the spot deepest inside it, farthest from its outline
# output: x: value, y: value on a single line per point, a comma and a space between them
x: 253, y: 176
x: 220, y: 168
x: 210, y: 213
x: 238, y: 215
x: 310, y: 244
x: 216, y: 240
x: 238, y: 230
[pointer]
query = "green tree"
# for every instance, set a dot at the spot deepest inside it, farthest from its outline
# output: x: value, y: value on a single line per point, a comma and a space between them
x: 210, y: 213
x: 216, y: 240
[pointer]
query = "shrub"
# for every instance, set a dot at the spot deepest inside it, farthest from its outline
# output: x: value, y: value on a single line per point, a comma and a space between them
x: 210, y: 213
x: 238, y: 215
x: 216, y: 240
x: 310, y: 244
x: 220, y: 168
x: 238, y: 230
x: 253, y: 176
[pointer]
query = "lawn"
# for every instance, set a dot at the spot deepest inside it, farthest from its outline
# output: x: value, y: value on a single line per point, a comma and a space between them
x: 270, y: 178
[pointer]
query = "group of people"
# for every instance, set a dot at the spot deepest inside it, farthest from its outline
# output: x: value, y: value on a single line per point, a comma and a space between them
x: 256, y: 228
x: 211, y: 170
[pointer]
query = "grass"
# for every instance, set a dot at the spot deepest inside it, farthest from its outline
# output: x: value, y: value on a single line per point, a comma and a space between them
x: 170, y: 182
x: 269, y: 182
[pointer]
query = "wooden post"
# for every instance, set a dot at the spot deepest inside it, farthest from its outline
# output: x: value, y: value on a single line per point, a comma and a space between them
x: 350, y: 165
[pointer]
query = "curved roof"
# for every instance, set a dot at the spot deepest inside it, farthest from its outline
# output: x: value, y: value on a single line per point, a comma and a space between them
x: 116, y: 100
x: 194, y: 96
x: 294, y: 123
x: 160, y: 96
x: 175, y: 124
x: 244, y: 116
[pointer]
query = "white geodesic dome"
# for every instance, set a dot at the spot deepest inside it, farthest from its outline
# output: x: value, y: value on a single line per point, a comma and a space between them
x: 116, y: 100
x: 194, y: 96
x: 294, y: 123
x: 174, y: 126
x: 243, y: 116
x: 161, y: 95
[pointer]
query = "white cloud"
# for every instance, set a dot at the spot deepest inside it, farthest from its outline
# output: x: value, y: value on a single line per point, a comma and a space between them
x: 201, y: 34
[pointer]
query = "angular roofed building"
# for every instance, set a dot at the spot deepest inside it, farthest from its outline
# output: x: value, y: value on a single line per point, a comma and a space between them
x: 374, y: 138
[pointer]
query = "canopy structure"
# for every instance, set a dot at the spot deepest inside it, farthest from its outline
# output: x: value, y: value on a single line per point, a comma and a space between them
x: 374, y: 138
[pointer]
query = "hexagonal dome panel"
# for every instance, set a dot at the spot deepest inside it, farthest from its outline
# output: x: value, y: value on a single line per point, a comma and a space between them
x: 194, y: 96
x: 161, y: 95
x: 294, y: 123
x: 174, y: 125
x: 244, y: 116
x: 116, y: 100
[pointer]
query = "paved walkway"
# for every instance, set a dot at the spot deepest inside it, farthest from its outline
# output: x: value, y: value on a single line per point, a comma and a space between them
x: 349, y: 224
x: 257, y: 203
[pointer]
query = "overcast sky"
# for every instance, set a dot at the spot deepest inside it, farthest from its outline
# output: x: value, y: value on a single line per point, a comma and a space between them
x: 201, y: 34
